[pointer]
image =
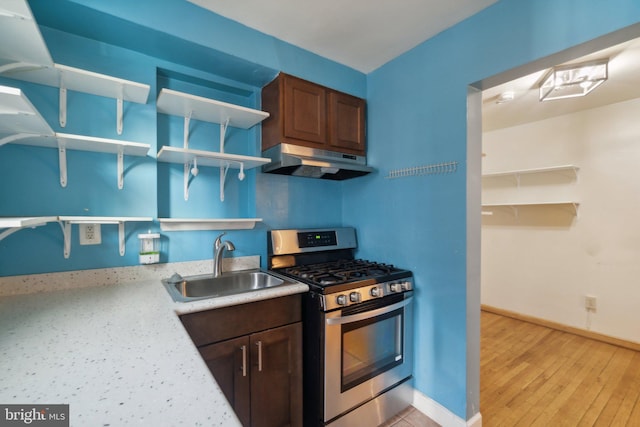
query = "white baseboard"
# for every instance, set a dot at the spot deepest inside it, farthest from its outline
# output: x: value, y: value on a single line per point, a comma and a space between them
x: 475, y: 421
x: 442, y: 415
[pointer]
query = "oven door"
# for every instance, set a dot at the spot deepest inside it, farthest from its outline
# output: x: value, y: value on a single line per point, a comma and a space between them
x: 366, y: 351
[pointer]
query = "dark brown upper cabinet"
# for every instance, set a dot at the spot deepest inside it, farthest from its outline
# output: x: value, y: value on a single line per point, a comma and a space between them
x: 311, y: 115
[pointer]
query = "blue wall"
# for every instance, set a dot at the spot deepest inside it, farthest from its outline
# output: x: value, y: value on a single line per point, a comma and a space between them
x: 206, y: 68
x: 417, y: 115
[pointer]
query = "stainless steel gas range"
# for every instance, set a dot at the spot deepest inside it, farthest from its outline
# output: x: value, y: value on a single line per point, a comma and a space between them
x: 358, y: 327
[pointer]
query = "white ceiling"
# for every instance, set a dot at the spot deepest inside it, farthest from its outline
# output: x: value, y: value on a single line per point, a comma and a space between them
x: 362, y: 34
x: 623, y: 84
x: 365, y: 34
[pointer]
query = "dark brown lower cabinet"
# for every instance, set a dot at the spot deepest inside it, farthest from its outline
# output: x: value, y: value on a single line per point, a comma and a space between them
x: 260, y: 373
x: 227, y: 361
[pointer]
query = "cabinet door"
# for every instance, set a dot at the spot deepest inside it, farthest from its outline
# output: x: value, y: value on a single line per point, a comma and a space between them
x: 276, y: 377
x: 305, y: 112
x: 229, y: 361
x: 347, y: 122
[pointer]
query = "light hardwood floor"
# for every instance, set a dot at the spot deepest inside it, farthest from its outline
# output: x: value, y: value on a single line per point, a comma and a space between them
x: 531, y: 375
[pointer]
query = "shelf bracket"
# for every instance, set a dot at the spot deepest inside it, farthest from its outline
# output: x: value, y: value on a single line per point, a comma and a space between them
x: 119, y: 115
x: 63, y: 105
x: 223, y: 132
x: 9, y: 139
x: 15, y: 66
x: 187, y: 170
x: 9, y: 231
x: 62, y: 161
x: 187, y: 120
x: 120, y: 168
x: 223, y: 169
x: 66, y: 233
x: 121, y: 237
x: 223, y: 176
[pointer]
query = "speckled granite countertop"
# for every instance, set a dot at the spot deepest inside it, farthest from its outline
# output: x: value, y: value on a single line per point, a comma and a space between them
x: 118, y: 355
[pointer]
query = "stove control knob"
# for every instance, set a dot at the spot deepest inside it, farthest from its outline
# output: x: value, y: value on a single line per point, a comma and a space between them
x: 375, y: 292
x: 398, y: 287
x: 354, y: 296
x: 341, y: 300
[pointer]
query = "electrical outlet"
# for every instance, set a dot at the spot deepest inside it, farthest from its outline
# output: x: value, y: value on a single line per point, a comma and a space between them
x: 590, y: 303
x: 90, y: 234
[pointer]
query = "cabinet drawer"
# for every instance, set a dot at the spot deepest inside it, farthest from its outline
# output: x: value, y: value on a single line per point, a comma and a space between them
x: 220, y: 324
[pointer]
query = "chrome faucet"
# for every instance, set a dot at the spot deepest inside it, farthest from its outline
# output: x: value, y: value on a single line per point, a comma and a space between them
x: 218, y: 248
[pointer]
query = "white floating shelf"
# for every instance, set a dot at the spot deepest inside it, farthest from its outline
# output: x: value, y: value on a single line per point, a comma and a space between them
x: 562, y: 168
x: 27, y: 47
x: 86, y: 143
x: 102, y: 145
x: 169, y: 154
x: 224, y: 161
x: 568, y: 205
x: 516, y: 174
x: 209, y: 110
x: 103, y: 219
x: 70, y: 78
x: 189, y: 224
x: 13, y: 224
x: 85, y: 81
x: 27, y: 58
x: 19, y: 116
x: 21, y: 123
x: 64, y: 142
x: 34, y: 221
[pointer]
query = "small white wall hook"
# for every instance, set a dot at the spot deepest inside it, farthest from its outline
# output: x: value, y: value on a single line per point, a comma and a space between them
x: 241, y: 174
x: 194, y: 169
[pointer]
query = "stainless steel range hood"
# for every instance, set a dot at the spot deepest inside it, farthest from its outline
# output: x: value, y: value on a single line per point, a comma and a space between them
x: 287, y: 159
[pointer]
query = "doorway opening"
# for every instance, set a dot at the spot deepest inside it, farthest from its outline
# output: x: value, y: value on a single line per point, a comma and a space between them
x: 549, y: 177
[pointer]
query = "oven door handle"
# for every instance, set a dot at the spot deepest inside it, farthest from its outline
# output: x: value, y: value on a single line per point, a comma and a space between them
x: 368, y: 314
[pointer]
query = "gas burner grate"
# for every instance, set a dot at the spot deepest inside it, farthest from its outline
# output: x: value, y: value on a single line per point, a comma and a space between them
x: 340, y: 271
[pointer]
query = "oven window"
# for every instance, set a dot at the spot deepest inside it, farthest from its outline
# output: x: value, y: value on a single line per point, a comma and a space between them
x: 370, y: 347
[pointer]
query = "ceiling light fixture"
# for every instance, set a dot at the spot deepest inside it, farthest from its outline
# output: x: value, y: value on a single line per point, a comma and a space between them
x: 573, y: 80
x: 505, y: 97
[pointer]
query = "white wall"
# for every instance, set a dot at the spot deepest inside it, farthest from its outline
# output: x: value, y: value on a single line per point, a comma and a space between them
x: 544, y: 261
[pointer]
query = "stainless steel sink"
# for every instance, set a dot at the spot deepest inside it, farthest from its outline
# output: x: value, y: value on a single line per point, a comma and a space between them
x: 185, y: 289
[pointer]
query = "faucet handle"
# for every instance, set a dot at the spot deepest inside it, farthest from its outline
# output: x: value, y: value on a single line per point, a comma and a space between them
x: 218, y: 241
